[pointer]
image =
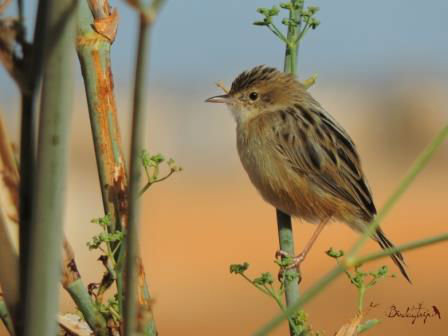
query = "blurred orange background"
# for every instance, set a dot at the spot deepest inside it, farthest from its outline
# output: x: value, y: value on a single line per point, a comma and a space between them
x: 199, y: 221
x: 385, y: 87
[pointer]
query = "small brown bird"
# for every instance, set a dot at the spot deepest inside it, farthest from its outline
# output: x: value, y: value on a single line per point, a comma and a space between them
x: 297, y: 156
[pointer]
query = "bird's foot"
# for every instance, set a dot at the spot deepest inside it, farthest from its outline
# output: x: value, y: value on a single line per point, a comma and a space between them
x: 288, y: 262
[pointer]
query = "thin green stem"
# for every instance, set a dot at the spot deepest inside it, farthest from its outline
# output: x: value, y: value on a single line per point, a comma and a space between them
x: 418, y: 165
x: 304, y: 298
x: 150, y: 183
x: 290, y: 276
x: 139, y: 120
x: 262, y: 289
x: 361, y: 292
x: 285, y: 233
x: 339, y: 269
x: 273, y: 28
x: 41, y: 302
x: 400, y: 248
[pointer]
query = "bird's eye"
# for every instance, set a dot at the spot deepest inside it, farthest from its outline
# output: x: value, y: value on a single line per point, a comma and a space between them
x: 253, y: 96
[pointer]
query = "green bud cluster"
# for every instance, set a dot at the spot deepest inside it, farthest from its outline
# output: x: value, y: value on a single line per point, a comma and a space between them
x: 303, y: 20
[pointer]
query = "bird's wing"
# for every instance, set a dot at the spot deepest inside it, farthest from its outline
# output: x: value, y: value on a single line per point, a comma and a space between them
x: 315, y: 145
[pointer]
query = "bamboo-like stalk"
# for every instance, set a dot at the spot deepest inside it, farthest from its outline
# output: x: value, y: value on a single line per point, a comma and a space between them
x: 351, y: 258
x: 97, y: 24
x: 285, y: 233
x: 32, y: 75
x: 41, y: 301
x: 138, y: 321
x: 139, y: 119
x: 9, y: 217
x: 9, y: 240
x: 6, y: 317
x: 73, y: 284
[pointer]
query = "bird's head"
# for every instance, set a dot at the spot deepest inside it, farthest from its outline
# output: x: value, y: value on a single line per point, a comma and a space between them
x: 260, y: 90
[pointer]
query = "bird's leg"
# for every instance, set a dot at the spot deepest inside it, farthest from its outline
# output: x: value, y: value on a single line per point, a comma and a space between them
x: 298, y: 259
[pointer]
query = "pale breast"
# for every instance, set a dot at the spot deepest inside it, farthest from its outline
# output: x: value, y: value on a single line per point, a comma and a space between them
x: 277, y: 183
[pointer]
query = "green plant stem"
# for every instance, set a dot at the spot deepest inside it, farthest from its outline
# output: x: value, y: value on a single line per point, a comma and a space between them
x: 94, y: 55
x: 418, y: 165
x: 291, y: 276
x: 72, y: 283
x: 93, y: 51
x: 150, y: 183
x: 6, y: 318
x: 339, y: 269
x: 139, y: 121
x: 351, y: 259
x: 285, y: 233
x: 292, y: 47
x: 41, y: 301
x: 33, y: 67
x: 362, y: 292
x: 84, y: 302
x: 400, y: 248
x: 367, y: 325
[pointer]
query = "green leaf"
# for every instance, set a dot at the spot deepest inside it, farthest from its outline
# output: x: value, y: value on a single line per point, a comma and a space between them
x: 334, y: 253
x: 239, y: 268
x: 265, y: 279
x: 313, y: 9
x: 274, y: 11
x: 260, y: 23
x: 367, y: 325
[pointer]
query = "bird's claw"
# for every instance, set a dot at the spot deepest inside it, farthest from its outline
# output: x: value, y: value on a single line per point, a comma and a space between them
x: 295, y: 264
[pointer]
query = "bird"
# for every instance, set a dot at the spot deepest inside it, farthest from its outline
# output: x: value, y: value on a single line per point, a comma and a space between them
x: 298, y: 157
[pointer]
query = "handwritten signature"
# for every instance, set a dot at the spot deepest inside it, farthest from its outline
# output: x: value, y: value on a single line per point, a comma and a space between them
x: 413, y: 313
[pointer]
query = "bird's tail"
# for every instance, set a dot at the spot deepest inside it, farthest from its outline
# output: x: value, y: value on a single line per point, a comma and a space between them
x: 396, y: 257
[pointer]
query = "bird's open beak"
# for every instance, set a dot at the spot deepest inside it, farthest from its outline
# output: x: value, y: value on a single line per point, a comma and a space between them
x: 225, y: 98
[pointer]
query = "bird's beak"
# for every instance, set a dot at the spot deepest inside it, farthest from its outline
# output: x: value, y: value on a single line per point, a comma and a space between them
x: 225, y: 98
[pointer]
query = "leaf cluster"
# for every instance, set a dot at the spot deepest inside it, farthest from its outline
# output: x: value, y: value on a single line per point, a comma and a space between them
x: 267, y: 285
x: 301, y: 22
x: 152, y: 165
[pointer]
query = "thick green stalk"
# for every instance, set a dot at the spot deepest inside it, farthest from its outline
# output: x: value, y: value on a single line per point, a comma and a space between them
x: 72, y: 283
x: 84, y: 302
x: 41, y: 302
x: 93, y: 48
x: 6, y: 318
x: 94, y: 55
x: 292, y: 47
x: 139, y: 120
x: 285, y: 233
x: 33, y: 66
x: 96, y: 32
x: 351, y: 258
